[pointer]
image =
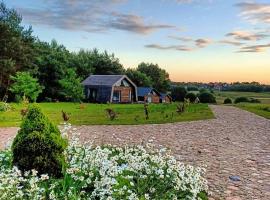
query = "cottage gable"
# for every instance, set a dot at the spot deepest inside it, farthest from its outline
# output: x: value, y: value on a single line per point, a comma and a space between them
x: 110, y: 88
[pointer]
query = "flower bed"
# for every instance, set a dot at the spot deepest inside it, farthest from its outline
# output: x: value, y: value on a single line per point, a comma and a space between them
x: 106, y: 172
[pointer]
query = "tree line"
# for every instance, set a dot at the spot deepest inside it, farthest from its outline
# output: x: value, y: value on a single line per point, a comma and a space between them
x: 247, y: 87
x: 49, y: 71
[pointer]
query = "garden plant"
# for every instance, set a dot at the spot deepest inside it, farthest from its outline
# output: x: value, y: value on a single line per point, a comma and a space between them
x: 98, y: 172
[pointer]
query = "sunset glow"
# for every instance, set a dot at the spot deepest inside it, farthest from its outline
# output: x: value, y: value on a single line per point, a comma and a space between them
x: 195, y: 40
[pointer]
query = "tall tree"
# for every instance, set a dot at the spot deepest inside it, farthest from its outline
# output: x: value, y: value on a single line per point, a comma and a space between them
x: 88, y: 62
x: 25, y: 86
x: 71, y: 86
x: 178, y: 93
x: 107, y: 64
x: 53, y: 60
x: 16, y: 44
x: 83, y: 62
x: 159, y: 77
x: 139, y: 78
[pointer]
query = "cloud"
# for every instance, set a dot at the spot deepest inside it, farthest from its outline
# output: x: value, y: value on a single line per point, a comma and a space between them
x: 255, y: 12
x: 89, y: 16
x: 183, y: 39
x: 171, y: 47
x: 199, y: 43
x: 202, y: 42
x: 245, y: 35
x: 254, y: 48
x: 231, y: 42
x: 134, y: 23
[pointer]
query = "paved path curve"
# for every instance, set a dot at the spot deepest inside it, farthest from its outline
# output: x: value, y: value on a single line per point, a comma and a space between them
x: 235, y: 143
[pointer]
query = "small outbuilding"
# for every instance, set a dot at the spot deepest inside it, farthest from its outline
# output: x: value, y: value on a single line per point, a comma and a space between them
x: 165, y: 98
x: 148, y: 94
x: 110, y: 88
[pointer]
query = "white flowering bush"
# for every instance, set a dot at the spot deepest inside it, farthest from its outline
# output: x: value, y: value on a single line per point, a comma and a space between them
x: 107, y: 172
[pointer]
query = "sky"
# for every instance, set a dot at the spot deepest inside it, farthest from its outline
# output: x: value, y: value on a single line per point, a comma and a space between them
x: 194, y: 40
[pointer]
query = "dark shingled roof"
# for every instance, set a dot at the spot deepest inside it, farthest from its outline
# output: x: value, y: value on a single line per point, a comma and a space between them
x: 164, y: 95
x: 142, y: 91
x: 106, y: 80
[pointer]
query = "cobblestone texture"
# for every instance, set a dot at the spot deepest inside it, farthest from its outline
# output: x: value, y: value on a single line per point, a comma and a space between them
x: 236, y: 143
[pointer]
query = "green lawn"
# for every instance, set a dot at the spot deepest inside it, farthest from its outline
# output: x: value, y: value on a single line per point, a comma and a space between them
x: 259, y: 109
x: 264, y: 97
x: 95, y: 113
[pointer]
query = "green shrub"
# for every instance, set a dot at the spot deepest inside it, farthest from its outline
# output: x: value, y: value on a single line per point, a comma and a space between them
x: 267, y: 109
x: 241, y: 99
x: 178, y: 93
x: 39, y: 145
x: 252, y: 100
x: 191, y: 96
x: 207, y: 97
x: 227, y: 101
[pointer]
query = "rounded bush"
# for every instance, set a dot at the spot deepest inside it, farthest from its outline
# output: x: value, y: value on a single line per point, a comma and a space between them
x: 207, y: 97
x: 227, y: 101
x: 191, y: 96
x: 178, y: 93
x: 39, y: 145
x: 241, y: 99
x: 252, y: 100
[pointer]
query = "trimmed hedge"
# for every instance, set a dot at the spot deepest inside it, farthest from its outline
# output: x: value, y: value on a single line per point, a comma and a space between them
x: 191, y: 96
x: 241, y: 99
x: 227, y: 101
x: 207, y: 97
x: 39, y: 145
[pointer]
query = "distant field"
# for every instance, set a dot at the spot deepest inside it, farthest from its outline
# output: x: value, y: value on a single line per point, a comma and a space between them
x: 259, y: 109
x: 126, y: 113
x: 264, y: 97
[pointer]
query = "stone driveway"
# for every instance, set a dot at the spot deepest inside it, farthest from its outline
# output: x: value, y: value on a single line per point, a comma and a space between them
x: 236, y: 143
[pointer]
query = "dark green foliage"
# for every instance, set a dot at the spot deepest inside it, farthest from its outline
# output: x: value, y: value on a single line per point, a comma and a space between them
x: 16, y: 46
x: 203, y: 90
x: 191, y: 96
x: 227, y: 101
x: 252, y: 100
x: 52, y: 60
x: 25, y: 86
x: 267, y: 109
x: 146, y: 111
x: 203, y: 196
x: 71, y: 86
x: 39, y: 145
x: 178, y: 93
x: 192, y: 88
x: 159, y: 77
x: 248, y: 87
x: 207, y: 97
x: 139, y: 78
x: 88, y: 62
x: 241, y: 99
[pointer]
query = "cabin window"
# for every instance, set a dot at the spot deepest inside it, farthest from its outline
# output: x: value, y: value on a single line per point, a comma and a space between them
x: 125, y: 83
x: 116, y: 96
x: 92, y: 94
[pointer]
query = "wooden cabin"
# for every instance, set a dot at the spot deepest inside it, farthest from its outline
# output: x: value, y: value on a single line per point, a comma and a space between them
x: 110, y: 88
x: 148, y: 94
x: 165, y: 98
